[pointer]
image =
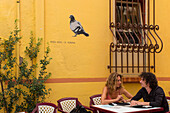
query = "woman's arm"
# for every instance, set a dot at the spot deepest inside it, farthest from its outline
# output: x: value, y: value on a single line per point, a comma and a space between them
x: 104, y: 99
x: 127, y: 94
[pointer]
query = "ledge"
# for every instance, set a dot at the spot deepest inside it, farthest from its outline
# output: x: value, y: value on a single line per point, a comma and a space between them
x: 131, y: 79
x: 79, y: 80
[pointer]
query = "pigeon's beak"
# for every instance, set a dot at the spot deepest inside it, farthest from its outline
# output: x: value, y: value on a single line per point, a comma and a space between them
x: 71, y: 16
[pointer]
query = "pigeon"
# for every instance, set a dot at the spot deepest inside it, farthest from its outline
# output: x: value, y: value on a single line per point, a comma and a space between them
x: 76, y: 27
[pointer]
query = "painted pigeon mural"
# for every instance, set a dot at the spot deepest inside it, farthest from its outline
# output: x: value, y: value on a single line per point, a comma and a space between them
x: 76, y: 27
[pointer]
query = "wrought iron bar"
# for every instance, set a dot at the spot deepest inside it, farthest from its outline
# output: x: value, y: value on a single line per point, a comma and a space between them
x: 154, y: 12
x: 157, y: 28
x: 145, y: 38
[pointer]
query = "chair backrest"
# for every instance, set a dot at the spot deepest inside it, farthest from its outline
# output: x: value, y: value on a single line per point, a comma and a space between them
x: 168, y: 100
x: 46, y: 108
x: 95, y: 99
x: 67, y: 104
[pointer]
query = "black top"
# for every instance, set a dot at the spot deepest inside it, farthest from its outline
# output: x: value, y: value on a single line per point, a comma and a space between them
x: 156, y: 97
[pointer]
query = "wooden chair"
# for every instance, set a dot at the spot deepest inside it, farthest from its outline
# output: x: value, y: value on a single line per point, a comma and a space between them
x: 66, y: 105
x: 45, y: 108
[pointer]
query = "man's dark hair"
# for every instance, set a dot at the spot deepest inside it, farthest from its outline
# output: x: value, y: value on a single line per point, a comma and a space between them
x: 149, y: 78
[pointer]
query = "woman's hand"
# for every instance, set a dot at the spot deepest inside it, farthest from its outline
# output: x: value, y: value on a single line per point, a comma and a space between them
x: 124, y: 101
x: 119, y: 98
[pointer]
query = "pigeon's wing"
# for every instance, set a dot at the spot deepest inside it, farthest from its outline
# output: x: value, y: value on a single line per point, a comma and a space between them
x: 74, y: 25
x: 80, y: 25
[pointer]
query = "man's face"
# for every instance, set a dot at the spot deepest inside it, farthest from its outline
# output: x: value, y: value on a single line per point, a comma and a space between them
x: 143, y: 83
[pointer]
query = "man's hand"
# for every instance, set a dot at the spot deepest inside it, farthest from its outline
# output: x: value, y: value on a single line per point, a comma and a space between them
x: 133, y: 102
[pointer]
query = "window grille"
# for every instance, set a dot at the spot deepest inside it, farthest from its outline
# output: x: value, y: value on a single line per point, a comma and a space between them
x: 136, y: 41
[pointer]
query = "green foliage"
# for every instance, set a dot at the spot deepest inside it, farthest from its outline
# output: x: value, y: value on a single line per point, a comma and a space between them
x: 23, y: 90
x: 33, y: 49
x: 7, y: 73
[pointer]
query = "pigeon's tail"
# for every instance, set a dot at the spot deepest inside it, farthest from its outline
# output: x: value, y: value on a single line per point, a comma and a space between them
x: 86, y: 34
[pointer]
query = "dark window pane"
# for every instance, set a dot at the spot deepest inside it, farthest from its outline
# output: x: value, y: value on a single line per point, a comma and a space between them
x: 129, y: 14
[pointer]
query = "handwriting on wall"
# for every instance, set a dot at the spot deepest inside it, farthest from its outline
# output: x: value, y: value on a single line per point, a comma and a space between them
x: 63, y: 42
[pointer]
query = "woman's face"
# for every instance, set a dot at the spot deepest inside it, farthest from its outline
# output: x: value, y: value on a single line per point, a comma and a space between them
x: 118, y: 84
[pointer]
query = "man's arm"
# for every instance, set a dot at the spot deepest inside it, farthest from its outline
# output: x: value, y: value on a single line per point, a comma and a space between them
x: 133, y: 102
x: 159, y: 95
x: 138, y: 96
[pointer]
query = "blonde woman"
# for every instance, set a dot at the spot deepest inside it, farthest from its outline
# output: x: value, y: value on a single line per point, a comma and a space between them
x: 113, y: 90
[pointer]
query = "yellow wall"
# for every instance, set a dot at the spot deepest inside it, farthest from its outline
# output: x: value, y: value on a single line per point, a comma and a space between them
x: 162, y: 59
x: 82, y: 90
x: 84, y: 57
x: 163, y: 19
x: 7, y: 16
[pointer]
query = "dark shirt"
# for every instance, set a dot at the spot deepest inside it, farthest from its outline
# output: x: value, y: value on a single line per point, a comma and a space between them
x: 156, y: 97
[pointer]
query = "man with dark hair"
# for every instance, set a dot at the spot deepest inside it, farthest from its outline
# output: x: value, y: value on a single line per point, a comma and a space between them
x: 152, y: 94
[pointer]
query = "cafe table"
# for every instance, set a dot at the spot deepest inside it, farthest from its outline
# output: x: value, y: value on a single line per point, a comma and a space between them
x: 125, y: 109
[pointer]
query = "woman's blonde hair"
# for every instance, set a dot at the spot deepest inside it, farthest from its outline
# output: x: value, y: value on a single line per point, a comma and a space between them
x: 112, y: 82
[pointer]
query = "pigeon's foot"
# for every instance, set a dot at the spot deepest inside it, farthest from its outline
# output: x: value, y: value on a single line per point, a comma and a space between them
x: 74, y: 35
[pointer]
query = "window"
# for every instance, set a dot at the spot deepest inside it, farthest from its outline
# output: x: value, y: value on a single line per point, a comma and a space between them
x: 135, y: 40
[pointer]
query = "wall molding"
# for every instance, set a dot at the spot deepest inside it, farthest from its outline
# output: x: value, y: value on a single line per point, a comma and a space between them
x: 76, y: 80
x: 163, y: 78
x: 73, y: 80
x: 80, y: 80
